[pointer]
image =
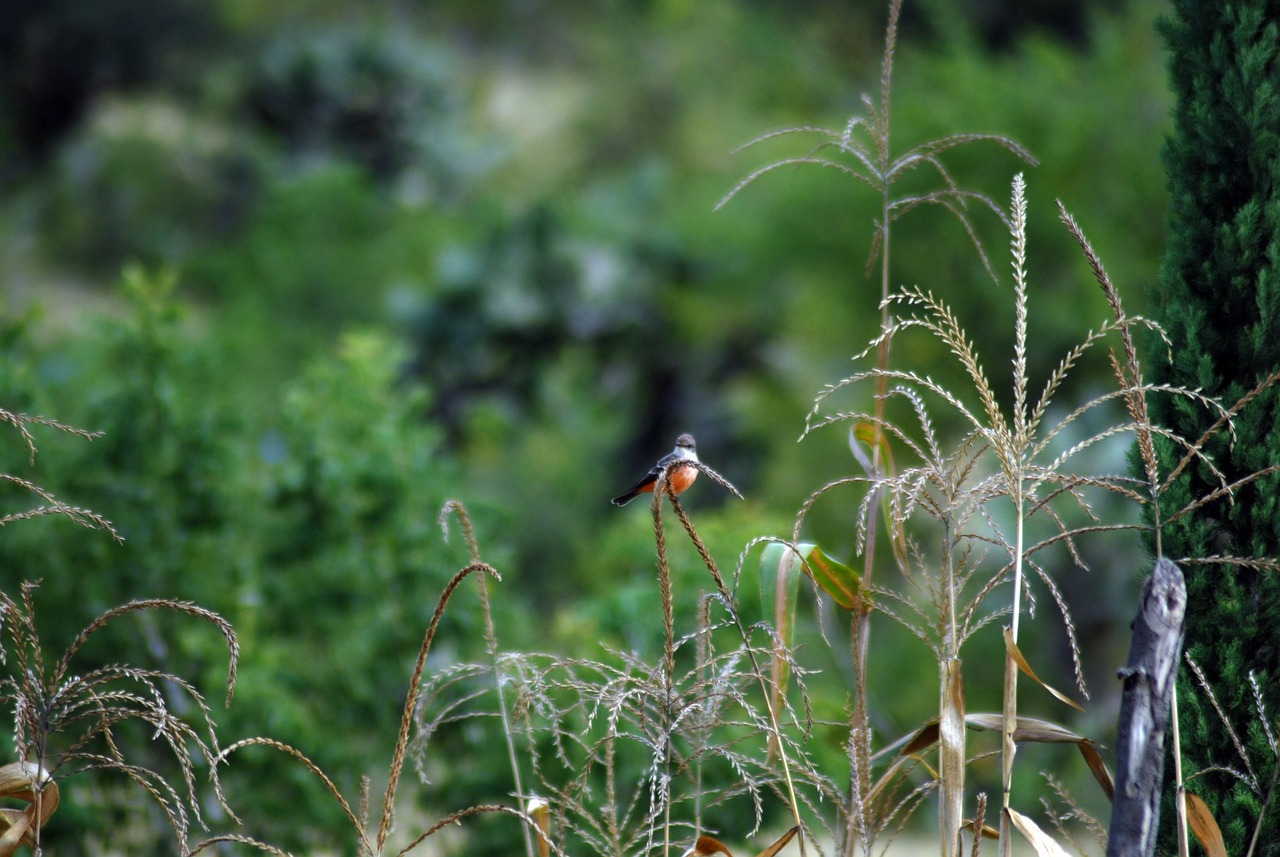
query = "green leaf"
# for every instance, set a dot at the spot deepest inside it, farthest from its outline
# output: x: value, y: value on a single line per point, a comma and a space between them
x: 842, y: 583
x: 780, y: 570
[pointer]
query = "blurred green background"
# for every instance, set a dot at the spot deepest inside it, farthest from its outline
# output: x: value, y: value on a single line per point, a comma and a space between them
x: 317, y: 266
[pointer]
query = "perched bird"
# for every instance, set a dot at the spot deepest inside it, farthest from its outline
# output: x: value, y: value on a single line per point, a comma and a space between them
x: 679, y: 478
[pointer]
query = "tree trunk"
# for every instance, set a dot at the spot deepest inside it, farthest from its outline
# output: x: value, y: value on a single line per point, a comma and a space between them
x: 1144, y: 712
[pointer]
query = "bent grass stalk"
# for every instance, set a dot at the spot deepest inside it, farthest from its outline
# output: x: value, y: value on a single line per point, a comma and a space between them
x: 491, y: 643
x: 376, y: 844
x: 661, y: 489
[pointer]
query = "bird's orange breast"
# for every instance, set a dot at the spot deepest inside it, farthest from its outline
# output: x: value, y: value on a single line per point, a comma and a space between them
x: 681, y: 477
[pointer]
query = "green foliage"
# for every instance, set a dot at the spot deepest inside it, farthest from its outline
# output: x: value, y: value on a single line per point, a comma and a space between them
x: 614, y: 151
x: 163, y: 466
x: 1219, y: 300
x: 534, y: 218
x: 386, y: 102
x: 147, y: 180
x: 295, y: 260
x: 315, y: 535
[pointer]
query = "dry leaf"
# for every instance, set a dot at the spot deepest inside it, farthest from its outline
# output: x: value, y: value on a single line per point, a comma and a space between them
x: 923, y: 738
x: 1031, y: 729
x: 1016, y: 654
x: 780, y: 843
x: 1097, y: 766
x: 988, y: 832
x: 1204, y: 827
x: 1040, y: 731
x: 18, y: 780
x: 1040, y: 841
x: 18, y: 831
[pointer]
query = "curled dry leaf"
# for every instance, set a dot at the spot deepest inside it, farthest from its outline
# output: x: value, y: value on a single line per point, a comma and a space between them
x: 18, y: 780
x: 16, y: 824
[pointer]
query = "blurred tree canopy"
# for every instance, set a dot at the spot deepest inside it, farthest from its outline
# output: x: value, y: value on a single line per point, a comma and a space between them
x: 380, y: 255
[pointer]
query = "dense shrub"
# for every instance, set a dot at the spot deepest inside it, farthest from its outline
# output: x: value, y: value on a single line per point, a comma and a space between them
x: 147, y: 180
x: 314, y: 533
x: 386, y: 102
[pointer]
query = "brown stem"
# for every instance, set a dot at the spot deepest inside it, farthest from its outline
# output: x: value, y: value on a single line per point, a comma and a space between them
x: 411, y: 700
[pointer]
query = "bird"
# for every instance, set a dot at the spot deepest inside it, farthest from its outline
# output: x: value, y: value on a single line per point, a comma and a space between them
x: 679, y: 479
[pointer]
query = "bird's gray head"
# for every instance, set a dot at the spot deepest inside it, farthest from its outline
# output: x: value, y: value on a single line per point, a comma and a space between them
x: 685, y: 441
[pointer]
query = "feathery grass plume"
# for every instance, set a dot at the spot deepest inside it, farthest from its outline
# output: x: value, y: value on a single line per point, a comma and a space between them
x: 372, y: 839
x: 666, y: 708
x: 729, y: 602
x: 1134, y: 392
x: 1190, y: 810
x: 68, y: 722
x: 1008, y: 484
x: 630, y: 759
x: 49, y: 504
x: 629, y: 756
x: 862, y: 151
x: 411, y: 699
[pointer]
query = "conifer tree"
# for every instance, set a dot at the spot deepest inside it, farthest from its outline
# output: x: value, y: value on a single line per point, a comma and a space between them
x: 1219, y: 301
